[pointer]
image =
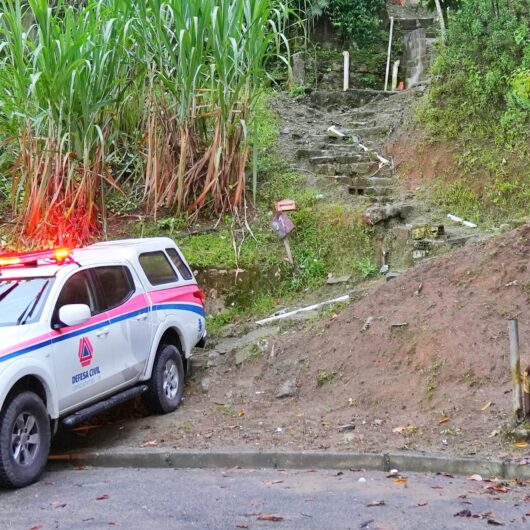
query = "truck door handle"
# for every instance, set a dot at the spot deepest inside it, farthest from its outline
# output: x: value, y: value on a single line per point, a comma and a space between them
x: 141, y: 317
x: 103, y: 332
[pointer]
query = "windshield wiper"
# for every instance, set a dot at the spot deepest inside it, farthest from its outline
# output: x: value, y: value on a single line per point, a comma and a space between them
x: 31, y: 306
x: 9, y: 290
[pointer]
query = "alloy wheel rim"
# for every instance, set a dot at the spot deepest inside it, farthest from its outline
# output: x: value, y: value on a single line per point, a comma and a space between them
x: 171, y: 380
x: 25, y: 439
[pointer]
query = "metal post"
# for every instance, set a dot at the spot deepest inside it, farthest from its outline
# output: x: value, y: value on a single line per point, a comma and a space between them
x: 515, y: 364
x: 389, y: 52
x: 346, y: 85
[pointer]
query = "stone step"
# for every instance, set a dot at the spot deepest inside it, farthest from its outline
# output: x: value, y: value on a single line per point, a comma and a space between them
x: 371, y: 132
x: 336, y: 159
x: 410, y: 24
x: 370, y: 191
x: 340, y: 179
x: 353, y: 98
x: 377, y: 182
x: 359, y: 169
x: 330, y: 150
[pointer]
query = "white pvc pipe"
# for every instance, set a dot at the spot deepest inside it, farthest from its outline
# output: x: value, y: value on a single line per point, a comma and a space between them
x: 346, y: 85
x: 389, y: 52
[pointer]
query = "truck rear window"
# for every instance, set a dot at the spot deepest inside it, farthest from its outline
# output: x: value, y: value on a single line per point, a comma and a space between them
x: 157, y: 268
x: 181, y: 266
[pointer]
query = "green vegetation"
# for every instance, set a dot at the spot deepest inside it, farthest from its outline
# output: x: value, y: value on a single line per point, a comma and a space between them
x: 329, y: 236
x: 156, y: 95
x: 480, y: 101
x: 324, y: 377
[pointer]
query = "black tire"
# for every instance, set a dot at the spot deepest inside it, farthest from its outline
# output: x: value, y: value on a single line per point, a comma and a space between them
x: 167, y: 380
x: 24, y: 440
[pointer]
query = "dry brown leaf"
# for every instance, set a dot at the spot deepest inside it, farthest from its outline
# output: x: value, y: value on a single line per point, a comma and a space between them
x: 400, y: 480
x: 36, y: 527
x: 376, y: 503
x: 150, y: 443
x: 486, y: 406
x: 271, y: 517
x: 241, y: 413
x: 422, y: 504
x: 241, y: 525
x: 475, y: 477
x: 443, y: 420
x: 500, y: 488
x: 520, y: 445
x: 405, y: 428
x: 103, y: 497
x: 271, y: 482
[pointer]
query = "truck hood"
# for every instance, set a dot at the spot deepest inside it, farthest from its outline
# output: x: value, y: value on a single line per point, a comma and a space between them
x: 11, y: 336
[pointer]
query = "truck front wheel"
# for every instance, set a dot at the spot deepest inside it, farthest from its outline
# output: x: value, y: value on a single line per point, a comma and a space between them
x: 24, y: 440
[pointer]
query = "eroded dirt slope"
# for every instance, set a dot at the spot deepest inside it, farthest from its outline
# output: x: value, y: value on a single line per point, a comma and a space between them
x: 426, y: 351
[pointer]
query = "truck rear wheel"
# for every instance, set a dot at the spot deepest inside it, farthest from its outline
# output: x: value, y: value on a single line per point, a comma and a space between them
x: 24, y: 440
x: 167, y: 381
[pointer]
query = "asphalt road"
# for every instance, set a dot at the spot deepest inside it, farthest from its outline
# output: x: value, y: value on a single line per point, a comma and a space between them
x: 247, y: 498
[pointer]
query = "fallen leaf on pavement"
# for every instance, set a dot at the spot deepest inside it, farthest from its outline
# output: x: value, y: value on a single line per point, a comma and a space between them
x: 476, y: 477
x: 36, y: 527
x: 463, y: 513
x: 241, y: 413
x: 400, y: 480
x: 57, y: 504
x: 500, y: 488
x: 444, y: 474
x: 376, y: 503
x: 443, y: 420
x: 241, y: 525
x: 495, y: 523
x: 85, y: 428
x: 113, y: 523
x: 271, y: 482
x: 486, y: 406
x: 422, y: 504
x: 103, y: 497
x: 520, y: 445
x: 271, y: 517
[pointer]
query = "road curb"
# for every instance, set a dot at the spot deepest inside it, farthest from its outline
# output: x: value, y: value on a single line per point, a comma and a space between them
x: 161, y: 458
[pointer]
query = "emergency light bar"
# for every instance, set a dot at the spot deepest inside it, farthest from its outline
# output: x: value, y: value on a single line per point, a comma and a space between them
x: 57, y: 255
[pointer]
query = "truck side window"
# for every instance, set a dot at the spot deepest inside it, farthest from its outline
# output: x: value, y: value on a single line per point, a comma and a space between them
x: 76, y: 290
x: 116, y: 283
x: 157, y: 268
x: 177, y: 261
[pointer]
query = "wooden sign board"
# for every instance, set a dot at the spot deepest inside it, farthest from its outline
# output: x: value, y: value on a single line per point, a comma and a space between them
x: 282, y: 225
x: 285, y: 205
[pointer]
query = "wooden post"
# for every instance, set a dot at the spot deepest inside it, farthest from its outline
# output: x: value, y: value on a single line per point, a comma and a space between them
x: 389, y: 52
x: 515, y: 364
x: 288, y: 250
x: 526, y: 392
x: 346, y: 84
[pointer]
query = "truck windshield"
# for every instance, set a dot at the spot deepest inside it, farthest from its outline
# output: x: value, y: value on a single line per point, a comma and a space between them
x: 22, y: 300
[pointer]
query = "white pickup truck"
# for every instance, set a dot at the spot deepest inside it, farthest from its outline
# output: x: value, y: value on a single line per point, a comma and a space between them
x: 83, y: 330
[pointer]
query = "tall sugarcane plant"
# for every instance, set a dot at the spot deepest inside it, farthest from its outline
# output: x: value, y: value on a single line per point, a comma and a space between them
x: 207, y: 61
x: 86, y: 87
x: 63, y: 73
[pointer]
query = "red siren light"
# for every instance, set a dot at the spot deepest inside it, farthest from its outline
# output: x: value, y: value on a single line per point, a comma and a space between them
x: 57, y: 255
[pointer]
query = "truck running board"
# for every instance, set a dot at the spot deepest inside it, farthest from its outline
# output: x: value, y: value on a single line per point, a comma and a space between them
x: 101, y: 406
